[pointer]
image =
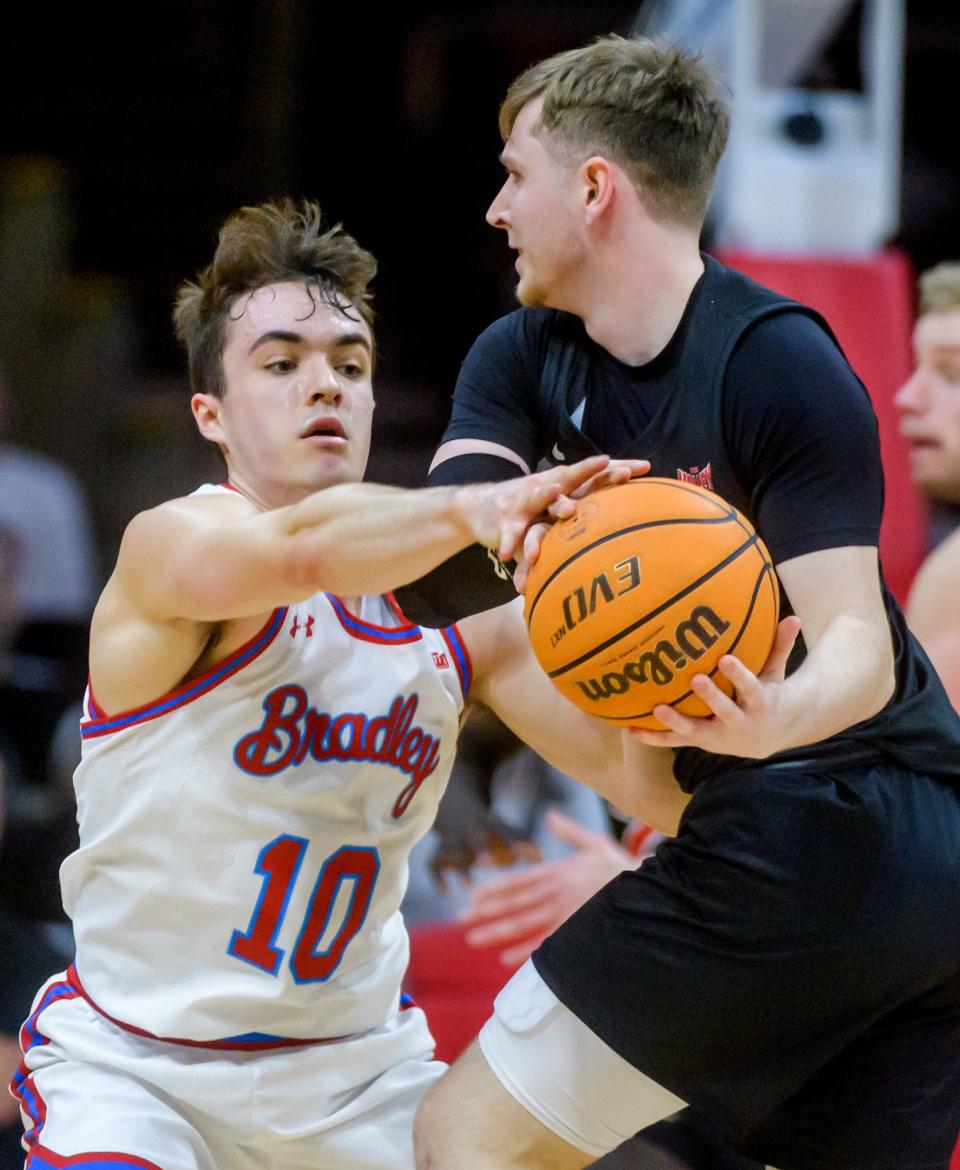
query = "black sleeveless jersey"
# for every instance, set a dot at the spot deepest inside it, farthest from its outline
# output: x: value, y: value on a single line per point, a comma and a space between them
x: 753, y: 398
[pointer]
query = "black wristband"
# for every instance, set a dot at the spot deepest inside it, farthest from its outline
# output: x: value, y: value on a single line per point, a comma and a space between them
x: 474, y: 579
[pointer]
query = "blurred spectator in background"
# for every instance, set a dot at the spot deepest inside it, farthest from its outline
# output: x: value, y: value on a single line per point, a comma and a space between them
x: 47, y: 528
x: 49, y: 572
x: 929, y: 405
x: 492, y: 815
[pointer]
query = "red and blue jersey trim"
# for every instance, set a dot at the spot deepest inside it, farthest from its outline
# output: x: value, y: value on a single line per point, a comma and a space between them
x: 369, y: 631
x: 90, y: 707
x: 22, y: 1086
x: 104, y: 724
x: 461, y: 657
x: 247, y: 1042
x: 40, y: 1158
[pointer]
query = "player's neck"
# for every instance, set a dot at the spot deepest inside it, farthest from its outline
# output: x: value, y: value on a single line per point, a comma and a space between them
x: 640, y: 294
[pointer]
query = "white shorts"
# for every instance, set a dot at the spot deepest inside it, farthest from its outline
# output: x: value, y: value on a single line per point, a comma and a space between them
x: 93, y: 1095
x: 564, y: 1074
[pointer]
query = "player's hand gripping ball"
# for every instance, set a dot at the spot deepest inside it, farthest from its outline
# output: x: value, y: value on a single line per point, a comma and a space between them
x: 647, y: 584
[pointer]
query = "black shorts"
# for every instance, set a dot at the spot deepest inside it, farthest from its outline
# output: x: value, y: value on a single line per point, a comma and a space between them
x: 789, y: 965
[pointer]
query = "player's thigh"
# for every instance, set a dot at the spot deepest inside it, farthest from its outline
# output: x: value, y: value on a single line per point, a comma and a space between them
x: 71, y: 1109
x: 469, y: 1120
x: 373, y: 1127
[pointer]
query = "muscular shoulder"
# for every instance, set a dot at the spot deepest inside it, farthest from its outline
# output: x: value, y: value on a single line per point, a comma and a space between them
x: 183, y: 513
x: 497, y: 396
x: 787, y: 366
x: 789, y: 340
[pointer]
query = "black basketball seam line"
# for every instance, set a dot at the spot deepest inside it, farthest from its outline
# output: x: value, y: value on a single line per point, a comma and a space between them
x: 613, y: 536
x: 690, y: 489
x: 729, y: 559
x: 728, y: 510
x: 766, y: 571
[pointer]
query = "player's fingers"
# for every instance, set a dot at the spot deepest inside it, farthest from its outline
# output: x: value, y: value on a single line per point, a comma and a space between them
x: 662, y: 739
x: 745, y: 682
x: 569, y: 831
x: 485, y: 904
x: 719, y: 702
x: 618, y: 471
x: 570, y: 478
x: 682, y: 730
x: 521, y: 878
x: 520, y: 575
x: 532, y: 541
x: 511, y: 537
x: 635, y: 466
x: 515, y: 956
x: 562, y: 508
x: 515, y: 926
x: 787, y: 633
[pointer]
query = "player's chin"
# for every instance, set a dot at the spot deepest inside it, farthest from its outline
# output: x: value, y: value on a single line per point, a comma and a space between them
x: 530, y: 295
x: 937, y: 481
x: 331, y: 472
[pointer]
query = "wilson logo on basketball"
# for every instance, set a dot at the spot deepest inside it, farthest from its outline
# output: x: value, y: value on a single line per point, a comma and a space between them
x: 605, y: 586
x: 692, y: 638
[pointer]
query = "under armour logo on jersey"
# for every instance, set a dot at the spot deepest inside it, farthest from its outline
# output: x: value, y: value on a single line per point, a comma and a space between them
x: 498, y: 566
x: 557, y: 454
x: 299, y: 625
x: 440, y: 660
x: 700, y: 476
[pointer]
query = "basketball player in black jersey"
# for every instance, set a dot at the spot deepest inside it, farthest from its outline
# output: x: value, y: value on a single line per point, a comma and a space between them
x: 788, y: 965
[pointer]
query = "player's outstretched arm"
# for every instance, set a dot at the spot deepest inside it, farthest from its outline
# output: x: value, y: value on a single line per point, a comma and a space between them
x: 217, y: 558
x: 508, y: 679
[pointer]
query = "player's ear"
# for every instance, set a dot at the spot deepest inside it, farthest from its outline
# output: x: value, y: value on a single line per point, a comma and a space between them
x: 597, y: 186
x: 206, y: 412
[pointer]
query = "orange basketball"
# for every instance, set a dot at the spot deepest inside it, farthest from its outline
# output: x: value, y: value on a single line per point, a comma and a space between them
x: 648, y: 584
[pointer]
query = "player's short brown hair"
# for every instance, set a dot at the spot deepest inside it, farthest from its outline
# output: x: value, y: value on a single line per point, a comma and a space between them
x: 940, y: 288
x: 267, y: 244
x: 651, y: 108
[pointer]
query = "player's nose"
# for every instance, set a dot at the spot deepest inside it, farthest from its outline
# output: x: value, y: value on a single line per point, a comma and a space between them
x: 498, y: 214
x: 323, y: 385
x: 913, y: 397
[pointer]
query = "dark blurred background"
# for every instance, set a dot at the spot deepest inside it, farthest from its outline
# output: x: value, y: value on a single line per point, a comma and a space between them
x: 129, y: 133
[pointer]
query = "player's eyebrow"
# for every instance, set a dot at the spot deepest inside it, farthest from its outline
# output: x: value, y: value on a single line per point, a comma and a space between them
x: 348, y: 339
x: 275, y: 335
x: 343, y: 341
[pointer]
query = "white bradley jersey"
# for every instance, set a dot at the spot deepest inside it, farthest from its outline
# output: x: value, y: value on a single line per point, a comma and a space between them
x: 244, y: 840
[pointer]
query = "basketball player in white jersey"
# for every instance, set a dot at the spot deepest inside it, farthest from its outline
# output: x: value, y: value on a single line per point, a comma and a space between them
x: 265, y: 738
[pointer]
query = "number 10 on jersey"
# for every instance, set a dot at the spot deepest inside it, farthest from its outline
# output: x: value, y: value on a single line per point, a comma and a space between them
x: 279, y: 864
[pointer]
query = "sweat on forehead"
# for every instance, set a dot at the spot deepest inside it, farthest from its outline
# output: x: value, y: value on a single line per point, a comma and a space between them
x: 299, y: 297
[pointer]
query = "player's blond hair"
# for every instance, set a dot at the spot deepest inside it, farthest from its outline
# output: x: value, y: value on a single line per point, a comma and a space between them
x: 651, y: 108
x: 257, y: 246
x: 940, y: 288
